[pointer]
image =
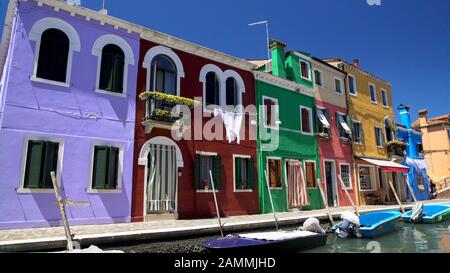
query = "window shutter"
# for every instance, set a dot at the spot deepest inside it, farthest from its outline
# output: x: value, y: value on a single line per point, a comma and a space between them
x: 100, y: 167
x: 34, y: 164
x: 217, y: 172
x: 237, y: 174
x: 113, y: 164
x: 197, y: 172
x: 251, y: 173
x: 50, y: 163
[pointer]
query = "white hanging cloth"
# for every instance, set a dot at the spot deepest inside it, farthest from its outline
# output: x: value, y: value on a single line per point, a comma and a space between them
x: 232, y: 122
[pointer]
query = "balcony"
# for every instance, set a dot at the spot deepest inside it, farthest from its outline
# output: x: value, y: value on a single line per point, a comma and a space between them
x: 396, y: 149
x: 159, y: 111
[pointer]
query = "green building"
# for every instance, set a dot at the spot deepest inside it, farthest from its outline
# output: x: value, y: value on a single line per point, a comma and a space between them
x: 287, y: 143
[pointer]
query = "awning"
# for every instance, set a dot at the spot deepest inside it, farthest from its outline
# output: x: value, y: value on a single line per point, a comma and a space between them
x: 386, y: 165
x: 344, y: 125
x: 323, y: 119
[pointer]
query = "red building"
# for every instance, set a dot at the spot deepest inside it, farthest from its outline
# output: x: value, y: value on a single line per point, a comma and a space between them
x: 335, y: 135
x: 171, y: 176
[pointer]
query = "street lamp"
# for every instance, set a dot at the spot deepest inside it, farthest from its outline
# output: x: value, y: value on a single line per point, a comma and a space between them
x: 267, y: 34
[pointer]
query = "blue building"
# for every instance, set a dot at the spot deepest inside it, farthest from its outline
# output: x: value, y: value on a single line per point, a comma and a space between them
x: 414, y: 158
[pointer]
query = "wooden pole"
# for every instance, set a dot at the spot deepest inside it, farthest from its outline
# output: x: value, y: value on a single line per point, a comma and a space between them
x: 396, y: 197
x: 217, y: 205
x: 271, y: 201
x: 410, y: 189
x: 62, y: 210
x: 325, y: 203
x: 348, y: 195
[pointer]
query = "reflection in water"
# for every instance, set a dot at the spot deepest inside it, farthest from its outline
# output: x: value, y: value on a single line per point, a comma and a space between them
x: 409, y: 239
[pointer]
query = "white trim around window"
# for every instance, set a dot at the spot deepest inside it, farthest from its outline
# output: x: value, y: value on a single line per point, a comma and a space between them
x: 349, y: 174
x: 340, y: 83
x: 351, y: 76
x: 234, y: 172
x: 118, y: 189
x: 315, y: 172
x: 375, y: 93
x: 383, y: 136
x: 311, y: 128
x: 372, y: 178
x: 384, y: 97
x: 201, y: 153
x: 268, y: 174
x: 60, y: 141
x: 309, y: 70
x: 322, y: 84
x: 35, y: 35
x: 362, y: 131
x: 97, y: 50
x: 276, y: 115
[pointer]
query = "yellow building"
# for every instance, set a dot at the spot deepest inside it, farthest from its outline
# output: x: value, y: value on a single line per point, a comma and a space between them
x: 436, y: 147
x: 371, y: 115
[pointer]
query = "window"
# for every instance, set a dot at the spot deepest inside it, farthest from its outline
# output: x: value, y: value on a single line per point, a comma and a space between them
x: 203, y: 165
x: 373, y: 93
x: 365, y: 178
x: 358, y: 134
x: 270, y: 112
x: 306, y: 120
x: 41, y: 160
x: 419, y: 149
x: 310, y: 170
x: 388, y: 129
x: 212, y: 89
x: 105, y: 173
x: 318, y: 80
x: 342, y: 125
x: 384, y: 98
x: 275, y: 177
x: 163, y: 75
x: 112, y: 69
x: 231, y: 92
x: 352, y: 85
x: 305, y: 70
x: 53, y: 56
x: 345, y: 174
x: 379, y: 137
x: 323, y: 123
x: 243, y: 173
x: 338, y: 85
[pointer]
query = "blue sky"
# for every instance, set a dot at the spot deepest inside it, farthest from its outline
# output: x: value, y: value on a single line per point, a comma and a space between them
x: 406, y: 42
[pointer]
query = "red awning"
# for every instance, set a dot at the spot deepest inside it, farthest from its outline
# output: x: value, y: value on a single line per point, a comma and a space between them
x: 386, y: 165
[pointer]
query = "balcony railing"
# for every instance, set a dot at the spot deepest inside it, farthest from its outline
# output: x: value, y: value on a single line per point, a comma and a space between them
x: 159, y: 106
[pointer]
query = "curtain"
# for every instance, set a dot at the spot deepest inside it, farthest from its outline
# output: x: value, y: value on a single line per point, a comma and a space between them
x: 297, y: 194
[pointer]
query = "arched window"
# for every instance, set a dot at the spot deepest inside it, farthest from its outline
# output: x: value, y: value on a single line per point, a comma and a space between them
x: 53, y: 55
x: 388, y: 130
x: 163, y: 76
x: 112, y: 69
x: 231, y: 92
x: 212, y: 89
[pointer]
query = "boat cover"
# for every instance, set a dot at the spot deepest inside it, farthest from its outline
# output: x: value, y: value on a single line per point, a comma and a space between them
x: 277, y: 235
x: 386, y: 165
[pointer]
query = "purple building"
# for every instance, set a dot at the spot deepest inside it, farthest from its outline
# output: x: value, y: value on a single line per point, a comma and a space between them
x: 67, y: 104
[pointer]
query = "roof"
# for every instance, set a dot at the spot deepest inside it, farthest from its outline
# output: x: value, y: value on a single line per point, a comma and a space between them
x: 259, y: 63
x: 444, y: 120
x: 328, y: 65
x: 330, y: 60
x: 151, y: 35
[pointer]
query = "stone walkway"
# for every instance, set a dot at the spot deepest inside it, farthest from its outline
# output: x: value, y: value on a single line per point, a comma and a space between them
x: 54, y: 238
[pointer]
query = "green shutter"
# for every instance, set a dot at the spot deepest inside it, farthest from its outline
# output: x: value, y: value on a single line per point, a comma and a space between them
x: 251, y: 173
x: 197, y: 172
x: 50, y: 164
x: 113, y: 164
x: 237, y: 174
x: 100, y: 167
x: 217, y: 173
x: 33, y: 169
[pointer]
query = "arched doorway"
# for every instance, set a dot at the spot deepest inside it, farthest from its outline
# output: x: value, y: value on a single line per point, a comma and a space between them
x: 162, y: 158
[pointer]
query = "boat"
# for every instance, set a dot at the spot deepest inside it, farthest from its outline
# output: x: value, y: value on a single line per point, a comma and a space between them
x: 276, y: 241
x: 430, y: 214
x: 371, y: 225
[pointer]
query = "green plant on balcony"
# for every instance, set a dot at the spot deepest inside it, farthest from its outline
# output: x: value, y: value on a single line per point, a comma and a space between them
x: 168, y: 99
x: 396, y: 148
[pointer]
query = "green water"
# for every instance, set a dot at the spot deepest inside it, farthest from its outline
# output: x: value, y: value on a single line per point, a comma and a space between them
x: 408, y: 239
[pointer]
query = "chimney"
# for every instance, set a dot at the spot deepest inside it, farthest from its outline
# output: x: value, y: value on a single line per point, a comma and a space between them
x: 278, y: 58
x: 356, y: 62
x: 74, y: 2
x: 405, y: 116
x: 423, y: 120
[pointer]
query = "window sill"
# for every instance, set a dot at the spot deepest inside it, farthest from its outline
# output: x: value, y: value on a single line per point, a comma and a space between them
x: 101, y: 91
x: 243, y: 190
x: 307, y: 133
x: 93, y: 191
x: 32, y: 191
x: 339, y: 93
x: 207, y: 191
x: 353, y: 94
x: 306, y: 79
x: 367, y: 190
x: 50, y: 82
x: 358, y: 143
x: 374, y: 102
x: 385, y: 107
x: 319, y: 86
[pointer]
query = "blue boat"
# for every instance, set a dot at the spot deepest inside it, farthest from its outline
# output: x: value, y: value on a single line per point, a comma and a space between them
x: 375, y: 224
x: 431, y: 214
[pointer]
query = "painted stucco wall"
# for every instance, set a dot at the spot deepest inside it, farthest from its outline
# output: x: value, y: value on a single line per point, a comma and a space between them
x: 327, y: 92
x: 75, y: 115
x: 292, y: 143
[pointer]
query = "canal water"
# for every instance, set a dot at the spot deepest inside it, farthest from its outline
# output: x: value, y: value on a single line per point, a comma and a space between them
x: 408, y: 239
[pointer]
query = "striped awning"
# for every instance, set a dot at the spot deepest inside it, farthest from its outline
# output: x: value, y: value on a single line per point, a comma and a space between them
x: 387, y: 165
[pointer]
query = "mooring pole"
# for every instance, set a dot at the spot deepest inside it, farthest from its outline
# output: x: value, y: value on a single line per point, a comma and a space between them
x: 62, y: 210
x: 217, y: 205
x: 410, y: 189
x: 396, y: 197
x: 325, y: 203
x: 271, y: 201
x: 348, y: 195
